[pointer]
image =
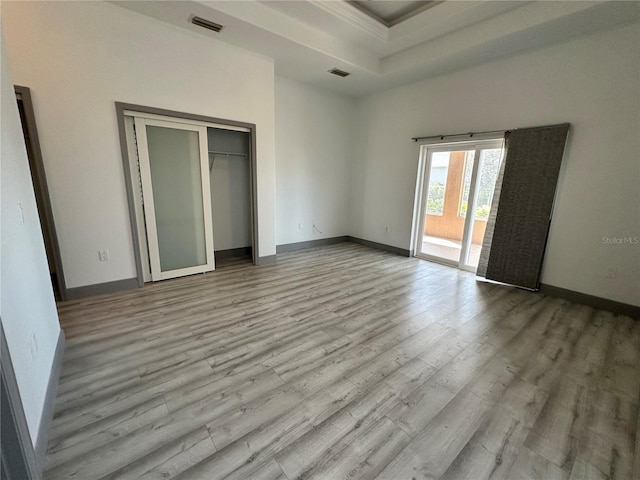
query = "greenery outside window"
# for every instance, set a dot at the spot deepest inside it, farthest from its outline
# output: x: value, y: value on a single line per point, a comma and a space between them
x: 489, y: 173
x: 437, y: 183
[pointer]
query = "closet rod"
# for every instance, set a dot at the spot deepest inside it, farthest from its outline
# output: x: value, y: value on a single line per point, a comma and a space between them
x: 227, y: 154
x: 212, y: 156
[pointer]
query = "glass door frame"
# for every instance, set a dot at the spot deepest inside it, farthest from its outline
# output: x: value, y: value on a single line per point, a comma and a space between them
x: 422, y: 191
x: 149, y: 207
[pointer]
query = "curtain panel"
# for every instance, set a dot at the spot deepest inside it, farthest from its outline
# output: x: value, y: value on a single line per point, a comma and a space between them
x: 518, y: 224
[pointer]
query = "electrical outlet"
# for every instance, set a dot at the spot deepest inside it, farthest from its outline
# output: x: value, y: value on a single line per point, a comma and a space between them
x: 32, y: 346
x: 299, y: 226
x: 386, y: 229
x: 103, y: 255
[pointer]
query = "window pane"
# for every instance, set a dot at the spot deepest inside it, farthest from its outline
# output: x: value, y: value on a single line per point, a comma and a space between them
x: 487, y: 175
x: 489, y: 167
x: 466, y: 183
x: 443, y: 228
x: 437, y: 183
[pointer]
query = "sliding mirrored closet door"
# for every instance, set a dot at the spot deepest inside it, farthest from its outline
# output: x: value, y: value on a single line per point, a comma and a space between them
x: 174, y: 175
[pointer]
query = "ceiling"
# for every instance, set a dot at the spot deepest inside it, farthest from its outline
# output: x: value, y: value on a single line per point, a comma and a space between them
x: 392, y: 12
x: 394, y: 42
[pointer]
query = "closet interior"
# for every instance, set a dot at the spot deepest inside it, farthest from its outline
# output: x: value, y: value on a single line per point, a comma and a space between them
x: 230, y: 177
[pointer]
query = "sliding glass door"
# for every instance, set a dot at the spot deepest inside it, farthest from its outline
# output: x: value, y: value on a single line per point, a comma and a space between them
x: 456, y: 188
x: 174, y: 172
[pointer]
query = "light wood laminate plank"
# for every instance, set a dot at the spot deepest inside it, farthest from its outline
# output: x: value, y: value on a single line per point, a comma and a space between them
x: 343, y: 362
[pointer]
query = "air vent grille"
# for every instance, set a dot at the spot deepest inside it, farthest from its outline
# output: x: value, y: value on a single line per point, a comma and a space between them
x: 338, y: 72
x: 201, y: 22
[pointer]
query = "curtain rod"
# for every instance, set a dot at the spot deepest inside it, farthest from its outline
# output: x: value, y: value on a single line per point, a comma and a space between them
x: 471, y: 134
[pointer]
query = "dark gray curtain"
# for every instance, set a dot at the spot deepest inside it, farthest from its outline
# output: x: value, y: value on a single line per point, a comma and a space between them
x: 518, y: 224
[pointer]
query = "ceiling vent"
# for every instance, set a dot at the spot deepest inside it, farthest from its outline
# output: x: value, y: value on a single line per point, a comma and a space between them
x: 201, y: 22
x: 338, y: 72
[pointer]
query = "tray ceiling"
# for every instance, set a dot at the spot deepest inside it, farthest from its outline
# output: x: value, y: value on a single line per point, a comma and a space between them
x: 307, y: 38
x: 392, y: 12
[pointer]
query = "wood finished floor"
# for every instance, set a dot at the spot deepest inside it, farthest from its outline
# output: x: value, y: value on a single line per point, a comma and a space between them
x: 343, y: 362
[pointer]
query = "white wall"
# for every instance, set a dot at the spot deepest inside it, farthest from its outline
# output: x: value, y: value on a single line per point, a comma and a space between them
x: 27, y: 307
x: 314, y: 144
x: 79, y: 58
x: 592, y: 82
x: 231, y: 203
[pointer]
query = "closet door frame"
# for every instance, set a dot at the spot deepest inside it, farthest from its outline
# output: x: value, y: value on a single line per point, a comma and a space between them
x: 138, y: 236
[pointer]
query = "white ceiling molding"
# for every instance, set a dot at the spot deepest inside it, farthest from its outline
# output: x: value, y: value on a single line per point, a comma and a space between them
x: 445, y: 18
x: 530, y: 16
x: 354, y: 17
x: 393, y: 12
